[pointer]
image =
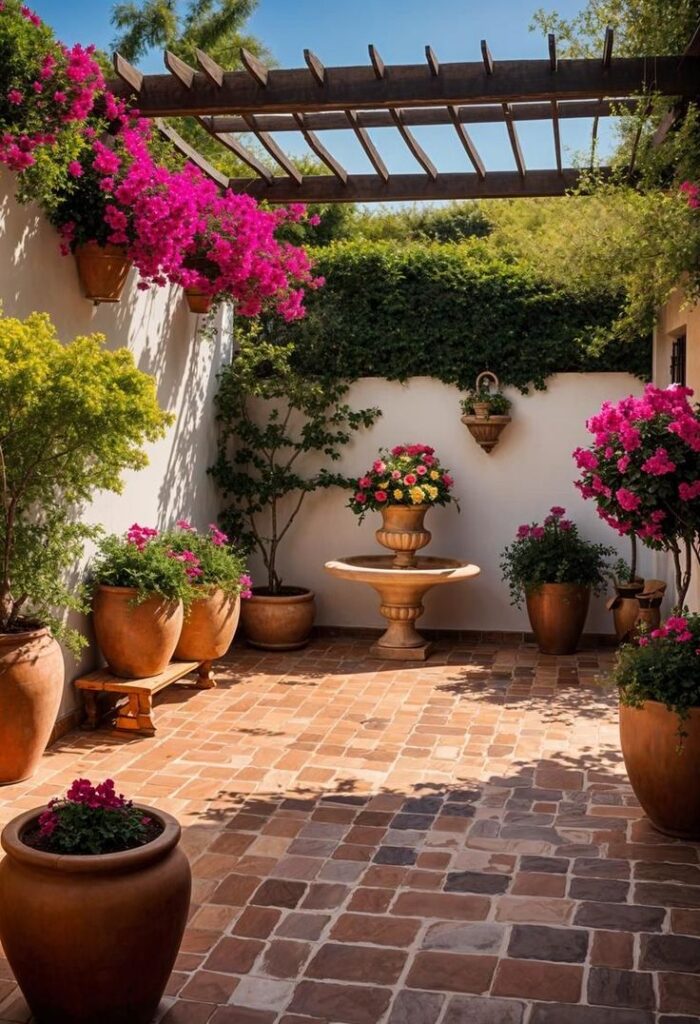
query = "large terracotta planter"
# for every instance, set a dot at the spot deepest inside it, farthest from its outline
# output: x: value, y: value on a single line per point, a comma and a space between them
x: 103, y: 270
x: 557, y: 613
x: 278, y: 622
x: 664, y: 771
x: 209, y: 627
x: 92, y: 940
x: 31, y: 685
x: 137, y: 640
x: 402, y: 531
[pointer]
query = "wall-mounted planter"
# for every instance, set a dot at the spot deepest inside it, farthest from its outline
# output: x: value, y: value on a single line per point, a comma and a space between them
x: 198, y: 301
x: 103, y: 270
x: 486, y: 430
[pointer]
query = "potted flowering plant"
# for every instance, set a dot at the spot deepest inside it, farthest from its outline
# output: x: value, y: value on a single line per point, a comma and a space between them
x: 643, y: 472
x: 141, y: 586
x: 94, y: 889
x: 485, y: 411
x: 554, y: 569
x: 658, y: 677
x: 403, y: 484
x: 217, y: 572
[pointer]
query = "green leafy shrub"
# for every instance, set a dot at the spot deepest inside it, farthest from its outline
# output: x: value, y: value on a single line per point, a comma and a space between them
x: 270, y: 416
x: 220, y: 563
x: 144, y: 559
x: 72, y: 419
x: 447, y: 311
x: 663, y: 665
x: 552, y: 553
x: 497, y: 402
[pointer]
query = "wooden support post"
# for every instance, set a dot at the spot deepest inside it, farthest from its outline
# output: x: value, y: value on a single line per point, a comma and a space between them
x: 206, y: 680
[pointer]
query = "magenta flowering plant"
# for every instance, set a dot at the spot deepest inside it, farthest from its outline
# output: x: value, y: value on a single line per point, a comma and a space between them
x: 662, y: 665
x: 47, y: 90
x: 643, y: 472
x: 146, y: 560
x: 91, y: 820
x: 211, y: 559
x: 408, y: 474
x: 552, y: 552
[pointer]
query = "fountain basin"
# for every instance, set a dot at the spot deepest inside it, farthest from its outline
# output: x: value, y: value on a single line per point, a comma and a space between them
x: 401, y: 592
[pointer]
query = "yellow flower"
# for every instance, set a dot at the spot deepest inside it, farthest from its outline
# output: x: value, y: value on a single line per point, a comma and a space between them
x: 432, y: 492
x: 434, y: 475
x: 398, y: 494
x: 383, y: 485
x: 417, y: 495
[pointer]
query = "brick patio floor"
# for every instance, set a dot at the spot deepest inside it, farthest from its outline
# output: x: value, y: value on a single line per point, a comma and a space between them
x: 450, y: 842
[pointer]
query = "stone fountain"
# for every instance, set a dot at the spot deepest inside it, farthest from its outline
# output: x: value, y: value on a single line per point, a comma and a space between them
x: 402, y: 580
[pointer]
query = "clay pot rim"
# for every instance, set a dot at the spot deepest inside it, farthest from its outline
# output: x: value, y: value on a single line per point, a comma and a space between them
x: 656, y: 704
x: 101, y: 863
x: 304, y: 595
x: 109, y: 248
x: 570, y: 586
x: 495, y: 418
x: 24, y: 637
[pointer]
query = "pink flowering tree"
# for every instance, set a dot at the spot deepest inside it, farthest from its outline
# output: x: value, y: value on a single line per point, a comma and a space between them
x: 642, y: 469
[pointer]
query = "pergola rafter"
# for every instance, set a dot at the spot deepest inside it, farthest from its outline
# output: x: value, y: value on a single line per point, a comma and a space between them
x: 263, y: 101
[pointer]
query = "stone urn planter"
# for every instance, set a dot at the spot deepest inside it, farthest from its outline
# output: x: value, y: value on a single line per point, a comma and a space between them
x: 209, y: 627
x: 278, y: 622
x: 137, y: 639
x: 664, y: 768
x: 403, y: 532
x: 557, y: 613
x: 93, y: 939
x: 31, y: 684
x: 103, y: 270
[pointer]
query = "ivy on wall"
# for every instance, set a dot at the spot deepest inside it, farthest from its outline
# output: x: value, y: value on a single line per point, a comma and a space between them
x: 398, y: 310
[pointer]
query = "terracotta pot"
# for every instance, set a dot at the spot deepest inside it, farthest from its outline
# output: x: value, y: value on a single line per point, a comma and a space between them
x: 663, y: 773
x: 402, y: 531
x: 31, y: 686
x: 103, y: 270
x: 557, y: 614
x: 198, y: 300
x: 278, y: 622
x: 486, y: 431
x: 625, y: 608
x: 209, y: 627
x: 92, y: 940
x: 137, y: 640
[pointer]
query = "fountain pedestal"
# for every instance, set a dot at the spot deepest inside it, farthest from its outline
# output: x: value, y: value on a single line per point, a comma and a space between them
x: 401, y: 592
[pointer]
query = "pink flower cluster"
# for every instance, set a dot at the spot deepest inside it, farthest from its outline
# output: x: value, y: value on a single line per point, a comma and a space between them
x: 554, y: 519
x: 103, y: 796
x: 139, y: 536
x: 60, y: 88
x: 192, y: 564
x: 674, y: 628
x: 691, y: 191
x: 246, y: 584
x: 655, y: 437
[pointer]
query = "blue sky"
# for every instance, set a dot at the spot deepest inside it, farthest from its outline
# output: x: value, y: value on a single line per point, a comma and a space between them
x: 338, y: 31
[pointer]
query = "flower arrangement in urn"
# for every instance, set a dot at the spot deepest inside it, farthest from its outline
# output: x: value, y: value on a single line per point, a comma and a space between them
x: 658, y: 678
x: 108, y: 873
x: 554, y: 569
x: 403, y: 483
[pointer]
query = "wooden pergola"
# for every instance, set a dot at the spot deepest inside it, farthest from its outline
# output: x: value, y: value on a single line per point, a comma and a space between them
x: 263, y: 101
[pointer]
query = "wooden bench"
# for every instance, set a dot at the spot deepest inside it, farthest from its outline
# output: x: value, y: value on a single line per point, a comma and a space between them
x: 136, y: 713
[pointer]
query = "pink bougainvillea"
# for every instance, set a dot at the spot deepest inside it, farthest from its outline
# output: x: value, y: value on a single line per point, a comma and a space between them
x: 643, y: 471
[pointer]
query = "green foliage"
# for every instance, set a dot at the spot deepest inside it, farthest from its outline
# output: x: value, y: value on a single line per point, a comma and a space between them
x: 91, y: 820
x: 222, y: 565
x: 664, y: 667
x: 452, y: 223
x: 270, y: 415
x: 148, y: 567
x: 552, y: 553
x: 72, y: 419
x: 448, y: 311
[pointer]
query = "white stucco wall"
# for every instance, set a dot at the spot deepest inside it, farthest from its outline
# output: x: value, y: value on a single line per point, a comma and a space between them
x: 530, y: 470
x: 160, y: 331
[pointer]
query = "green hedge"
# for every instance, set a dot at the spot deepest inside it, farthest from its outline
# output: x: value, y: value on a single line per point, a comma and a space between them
x: 448, y: 311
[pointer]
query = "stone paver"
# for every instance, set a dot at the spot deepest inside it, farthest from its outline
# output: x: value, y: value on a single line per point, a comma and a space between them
x: 377, y: 843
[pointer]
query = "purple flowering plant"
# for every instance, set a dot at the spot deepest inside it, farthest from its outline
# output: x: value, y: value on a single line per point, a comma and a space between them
x: 552, y: 552
x: 91, y: 820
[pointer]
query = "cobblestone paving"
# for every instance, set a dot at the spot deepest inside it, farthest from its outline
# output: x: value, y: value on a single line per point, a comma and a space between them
x: 435, y: 844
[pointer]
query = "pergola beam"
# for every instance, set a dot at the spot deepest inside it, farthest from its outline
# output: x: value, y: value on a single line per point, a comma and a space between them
x: 414, y: 146
x: 258, y: 91
x: 466, y: 140
x: 274, y: 150
x: 332, y: 120
x: 315, y: 144
x: 416, y: 187
x: 188, y: 151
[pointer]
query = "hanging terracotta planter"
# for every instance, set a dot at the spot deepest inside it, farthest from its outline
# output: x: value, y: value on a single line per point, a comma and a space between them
x: 402, y: 531
x: 137, y: 639
x: 31, y: 686
x: 484, y: 421
x: 199, y: 300
x: 92, y: 939
x: 103, y: 270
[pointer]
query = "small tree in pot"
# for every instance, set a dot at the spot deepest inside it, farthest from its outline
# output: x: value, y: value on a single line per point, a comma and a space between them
x: 271, y: 416
x: 554, y: 569
x: 72, y: 418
